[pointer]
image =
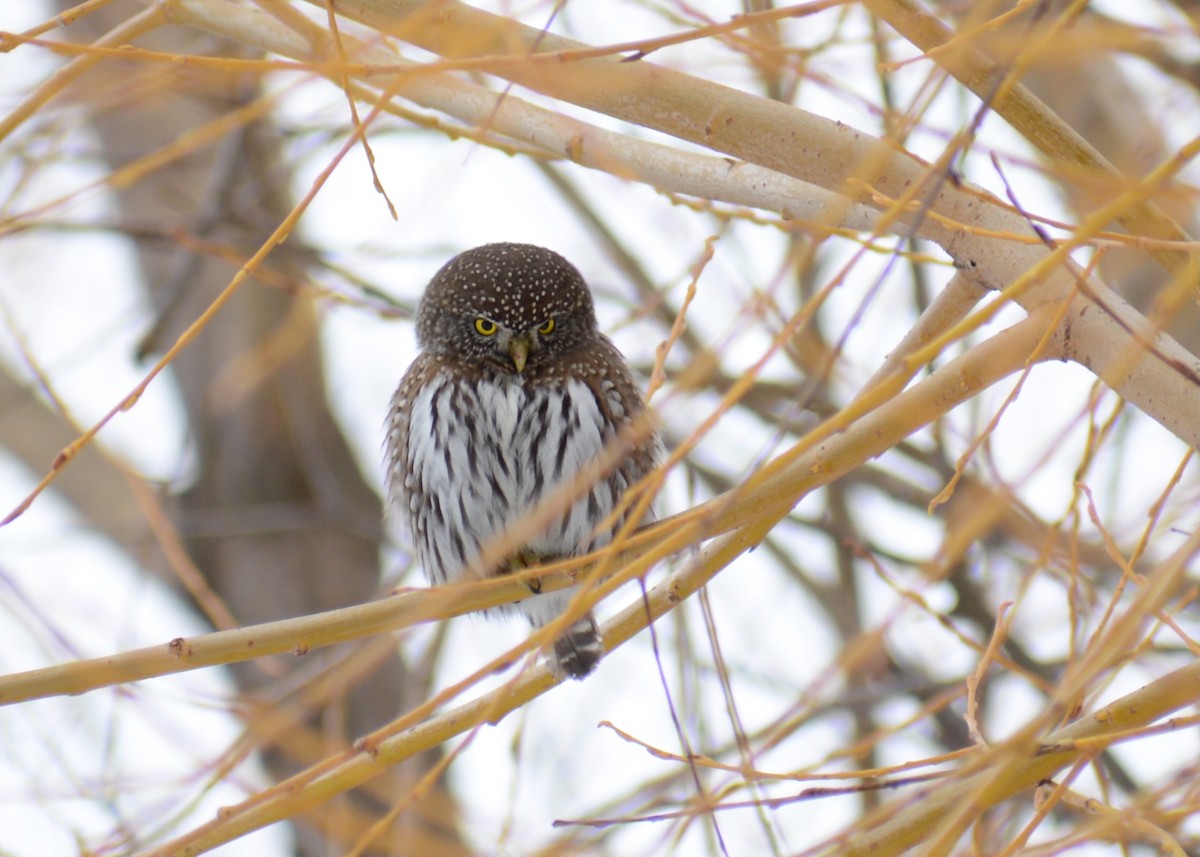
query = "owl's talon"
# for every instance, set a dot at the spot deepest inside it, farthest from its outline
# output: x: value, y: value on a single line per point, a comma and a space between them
x: 534, y: 584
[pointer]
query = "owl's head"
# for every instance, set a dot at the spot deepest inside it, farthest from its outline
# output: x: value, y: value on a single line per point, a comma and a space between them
x: 514, y: 306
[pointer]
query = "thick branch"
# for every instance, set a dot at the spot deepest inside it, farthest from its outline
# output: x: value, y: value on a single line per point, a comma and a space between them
x: 1157, y: 374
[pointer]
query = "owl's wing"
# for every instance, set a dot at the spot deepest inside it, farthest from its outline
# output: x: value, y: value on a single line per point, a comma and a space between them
x: 395, y: 458
x: 620, y: 399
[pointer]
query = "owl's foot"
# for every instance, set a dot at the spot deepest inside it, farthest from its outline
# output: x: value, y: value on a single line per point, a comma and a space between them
x: 520, y: 561
x: 579, y: 649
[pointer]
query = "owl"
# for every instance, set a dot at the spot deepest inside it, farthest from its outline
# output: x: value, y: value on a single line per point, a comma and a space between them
x: 514, y: 392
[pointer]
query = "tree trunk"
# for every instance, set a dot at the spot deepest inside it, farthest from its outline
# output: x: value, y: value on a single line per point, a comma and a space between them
x: 277, y: 516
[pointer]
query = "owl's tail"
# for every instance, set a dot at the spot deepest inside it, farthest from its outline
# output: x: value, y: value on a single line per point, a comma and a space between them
x: 579, y: 649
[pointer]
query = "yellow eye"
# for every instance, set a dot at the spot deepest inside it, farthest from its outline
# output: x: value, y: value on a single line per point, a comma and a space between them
x: 485, y: 326
x: 547, y: 328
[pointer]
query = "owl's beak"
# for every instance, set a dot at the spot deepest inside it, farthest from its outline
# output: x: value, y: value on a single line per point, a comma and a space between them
x: 518, y: 350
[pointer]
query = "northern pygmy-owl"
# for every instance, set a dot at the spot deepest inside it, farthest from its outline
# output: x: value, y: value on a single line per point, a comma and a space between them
x: 515, y: 391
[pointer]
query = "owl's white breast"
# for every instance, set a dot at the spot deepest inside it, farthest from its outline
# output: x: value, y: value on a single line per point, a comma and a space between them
x: 483, y: 453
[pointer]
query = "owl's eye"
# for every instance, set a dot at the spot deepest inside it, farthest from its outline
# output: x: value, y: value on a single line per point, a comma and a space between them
x: 547, y: 328
x: 485, y: 326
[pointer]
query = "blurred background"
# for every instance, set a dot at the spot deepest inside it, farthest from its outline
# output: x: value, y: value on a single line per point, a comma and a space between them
x: 243, y: 485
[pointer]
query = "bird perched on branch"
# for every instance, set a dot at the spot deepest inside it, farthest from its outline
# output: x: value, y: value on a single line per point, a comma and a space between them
x: 514, y: 398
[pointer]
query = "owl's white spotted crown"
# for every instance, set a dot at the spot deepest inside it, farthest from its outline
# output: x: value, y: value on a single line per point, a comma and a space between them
x: 519, y: 286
